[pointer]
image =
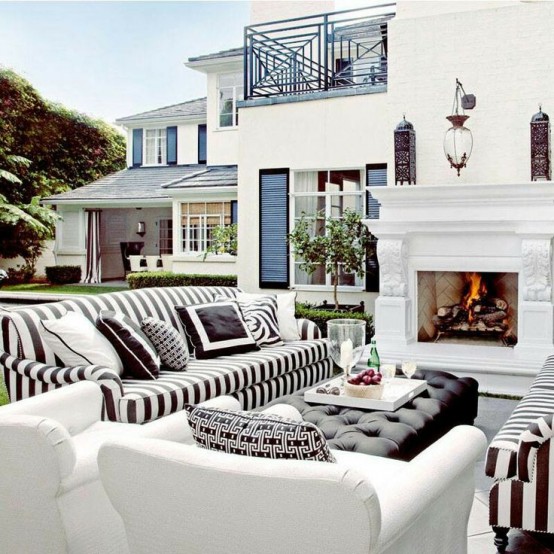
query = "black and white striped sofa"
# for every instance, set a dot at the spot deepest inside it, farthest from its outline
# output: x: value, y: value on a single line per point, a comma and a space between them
x: 30, y: 367
x: 521, y: 460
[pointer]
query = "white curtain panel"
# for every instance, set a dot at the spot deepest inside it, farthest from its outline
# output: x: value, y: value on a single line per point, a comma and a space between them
x: 94, y: 262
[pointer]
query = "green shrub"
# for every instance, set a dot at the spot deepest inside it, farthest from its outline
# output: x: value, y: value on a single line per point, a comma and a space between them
x: 63, y: 274
x: 147, y: 279
x: 321, y: 317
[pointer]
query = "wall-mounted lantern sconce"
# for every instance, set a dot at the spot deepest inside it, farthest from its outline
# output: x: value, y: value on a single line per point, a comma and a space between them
x: 458, y: 140
x: 404, y: 153
x: 141, y: 228
x: 540, y: 147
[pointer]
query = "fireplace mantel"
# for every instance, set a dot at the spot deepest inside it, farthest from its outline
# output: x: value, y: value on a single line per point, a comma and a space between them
x: 480, y: 227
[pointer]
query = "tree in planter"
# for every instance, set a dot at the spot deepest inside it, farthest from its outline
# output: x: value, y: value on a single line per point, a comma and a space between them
x: 342, y: 244
x: 223, y: 241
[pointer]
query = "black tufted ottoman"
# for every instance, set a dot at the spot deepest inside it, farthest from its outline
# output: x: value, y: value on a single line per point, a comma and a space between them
x: 447, y: 402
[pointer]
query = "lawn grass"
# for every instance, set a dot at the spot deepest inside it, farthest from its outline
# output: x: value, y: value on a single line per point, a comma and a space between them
x: 61, y: 289
x: 3, y: 393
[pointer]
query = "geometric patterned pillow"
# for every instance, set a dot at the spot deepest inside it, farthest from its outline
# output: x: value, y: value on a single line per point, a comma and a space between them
x: 257, y: 434
x: 169, y: 343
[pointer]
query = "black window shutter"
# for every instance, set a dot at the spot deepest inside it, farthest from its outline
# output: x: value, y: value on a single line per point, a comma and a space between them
x: 376, y: 176
x: 274, y: 227
x: 171, y: 137
x: 234, y: 211
x: 137, y: 147
x: 202, y: 144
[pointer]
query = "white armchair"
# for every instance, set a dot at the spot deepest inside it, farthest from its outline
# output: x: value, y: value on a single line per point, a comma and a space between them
x: 176, y: 498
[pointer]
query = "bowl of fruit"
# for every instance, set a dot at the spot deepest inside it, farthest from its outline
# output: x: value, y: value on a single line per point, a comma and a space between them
x: 366, y: 384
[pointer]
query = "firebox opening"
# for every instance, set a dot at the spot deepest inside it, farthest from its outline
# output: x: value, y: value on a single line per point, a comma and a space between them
x: 467, y: 307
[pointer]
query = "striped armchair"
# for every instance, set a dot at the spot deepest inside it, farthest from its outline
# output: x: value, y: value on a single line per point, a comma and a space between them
x: 254, y: 378
x: 521, y: 460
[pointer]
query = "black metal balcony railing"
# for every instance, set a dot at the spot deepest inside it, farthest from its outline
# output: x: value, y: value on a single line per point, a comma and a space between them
x: 315, y: 53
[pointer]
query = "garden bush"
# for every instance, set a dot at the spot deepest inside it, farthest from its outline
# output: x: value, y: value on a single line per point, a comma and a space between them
x: 321, y: 317
x: 147, y: 279
x: 63, y: 274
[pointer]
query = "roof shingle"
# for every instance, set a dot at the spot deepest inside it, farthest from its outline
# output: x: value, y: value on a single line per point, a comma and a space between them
x: 190, y: 108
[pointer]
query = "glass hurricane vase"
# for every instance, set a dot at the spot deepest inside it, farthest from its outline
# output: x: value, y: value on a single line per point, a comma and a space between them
x: 346, y: 342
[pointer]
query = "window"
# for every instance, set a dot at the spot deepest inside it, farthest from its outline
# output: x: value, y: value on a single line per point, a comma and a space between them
x: 230, y: 90
x: 165, y: 236
x: 199, y: 219
x: 327, y: 194
x: 155, y: 146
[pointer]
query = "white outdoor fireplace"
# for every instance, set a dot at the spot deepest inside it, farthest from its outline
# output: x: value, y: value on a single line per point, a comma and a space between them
x: 466, y: 279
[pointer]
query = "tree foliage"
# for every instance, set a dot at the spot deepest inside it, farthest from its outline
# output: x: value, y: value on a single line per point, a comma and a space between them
x: 44, y: 149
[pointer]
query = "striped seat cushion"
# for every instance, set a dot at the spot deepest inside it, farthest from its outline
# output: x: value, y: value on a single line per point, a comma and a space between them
x: 545, y: 378
x: 204, y: 379
x: 502, y: 453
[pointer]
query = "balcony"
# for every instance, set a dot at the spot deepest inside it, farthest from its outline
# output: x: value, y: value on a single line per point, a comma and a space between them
x: 333, y: 51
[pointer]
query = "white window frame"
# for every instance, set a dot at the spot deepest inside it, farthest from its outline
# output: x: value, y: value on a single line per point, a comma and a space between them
x: 328, y: 286
x: 239, y: 84
x: 160, y: 141
x: 185, y: 234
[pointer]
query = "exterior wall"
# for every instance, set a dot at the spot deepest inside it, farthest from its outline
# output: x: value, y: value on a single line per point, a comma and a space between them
x: 47, y: 258
x: 337, y: 133
x: 70, y: 237
x: 214, y: 265
x: 265, y: 10
x: 502, y: 53
x: 415, y: 8
x: 223, y: 144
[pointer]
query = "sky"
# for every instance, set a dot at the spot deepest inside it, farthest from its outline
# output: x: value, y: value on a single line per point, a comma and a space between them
x: 113, y: 59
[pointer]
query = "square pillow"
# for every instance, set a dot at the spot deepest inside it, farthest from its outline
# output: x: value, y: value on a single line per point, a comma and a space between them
x: 216, y: 329
x: 257, y: 434
x: 286, y: 308
x: 139, y: 357
x: 168, y: 342
x: 76, y: 342
x: 260, y: 316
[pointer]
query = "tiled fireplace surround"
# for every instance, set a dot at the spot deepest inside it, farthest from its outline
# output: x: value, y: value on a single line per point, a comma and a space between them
x: 503, y: 228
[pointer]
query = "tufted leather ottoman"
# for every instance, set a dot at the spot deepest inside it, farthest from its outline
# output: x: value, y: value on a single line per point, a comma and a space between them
x: 447, y: 402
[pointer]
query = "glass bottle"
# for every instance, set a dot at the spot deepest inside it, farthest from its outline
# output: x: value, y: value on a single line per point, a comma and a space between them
x: 373, y: 360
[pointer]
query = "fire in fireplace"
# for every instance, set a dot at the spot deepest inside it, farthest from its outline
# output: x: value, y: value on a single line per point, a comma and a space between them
x: 464, y: 306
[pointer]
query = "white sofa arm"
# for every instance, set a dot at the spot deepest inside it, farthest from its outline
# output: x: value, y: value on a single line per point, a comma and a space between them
x: 75, y: 407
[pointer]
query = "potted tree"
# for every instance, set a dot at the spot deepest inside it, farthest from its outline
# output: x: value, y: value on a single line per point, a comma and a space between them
x: 342, y: 244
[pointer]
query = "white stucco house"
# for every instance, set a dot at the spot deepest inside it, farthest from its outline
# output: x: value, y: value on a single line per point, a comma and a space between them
x: 302, y: 118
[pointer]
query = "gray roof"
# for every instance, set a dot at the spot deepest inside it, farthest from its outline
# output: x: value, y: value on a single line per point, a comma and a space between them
x: 147, y: 183
x: 190, y: 108
x: 214, y: 176
x: 231, y: 53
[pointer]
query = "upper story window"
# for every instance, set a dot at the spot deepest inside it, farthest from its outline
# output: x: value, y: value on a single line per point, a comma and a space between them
x: 155, y: 146
x: 230, y: 89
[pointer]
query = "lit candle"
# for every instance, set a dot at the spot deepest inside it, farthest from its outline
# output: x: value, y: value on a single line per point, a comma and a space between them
x: 346, y: 354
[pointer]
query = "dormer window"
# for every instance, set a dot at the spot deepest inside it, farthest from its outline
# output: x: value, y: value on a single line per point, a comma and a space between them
x: 155, y: 145
x: 231, y: 90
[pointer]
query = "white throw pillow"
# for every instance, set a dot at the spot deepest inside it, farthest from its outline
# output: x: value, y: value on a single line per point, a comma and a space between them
x: 288, y: 328
x: 76, y: 341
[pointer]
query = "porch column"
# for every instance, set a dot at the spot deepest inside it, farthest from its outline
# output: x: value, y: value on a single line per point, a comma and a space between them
x: 92, y: 245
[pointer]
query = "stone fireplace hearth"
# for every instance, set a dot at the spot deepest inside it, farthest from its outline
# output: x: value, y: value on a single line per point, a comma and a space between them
x: 437, y: 236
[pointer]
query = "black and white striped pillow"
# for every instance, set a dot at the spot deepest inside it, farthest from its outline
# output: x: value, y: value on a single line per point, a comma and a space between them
x: 216, y: 329
x: 257, y: 434
x: 138, y: 354
x: 260, y: 315
x: 168, y: 342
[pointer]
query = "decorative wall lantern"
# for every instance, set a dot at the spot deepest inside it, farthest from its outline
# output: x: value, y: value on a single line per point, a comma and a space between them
x: 540, y: 147
x: 141, y: 228
x: 458, y: 140
x: 405, y: 153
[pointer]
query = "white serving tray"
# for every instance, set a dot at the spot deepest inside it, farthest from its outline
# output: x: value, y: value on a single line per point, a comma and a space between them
x: 395, y: 394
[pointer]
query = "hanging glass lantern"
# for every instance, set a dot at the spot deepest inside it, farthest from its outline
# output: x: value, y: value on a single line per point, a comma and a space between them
x: 458, y: 140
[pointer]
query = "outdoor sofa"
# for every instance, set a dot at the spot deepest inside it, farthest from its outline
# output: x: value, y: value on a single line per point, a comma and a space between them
x: 255, y: 378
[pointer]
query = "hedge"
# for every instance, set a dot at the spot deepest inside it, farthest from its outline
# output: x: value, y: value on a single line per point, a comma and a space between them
x: 63, y: 274
x: 147, y: 279
x: 321, y: 317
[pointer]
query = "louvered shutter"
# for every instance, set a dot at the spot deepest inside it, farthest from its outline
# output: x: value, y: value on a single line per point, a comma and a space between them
x: 274, y: 227
x: 137, y: 147
x: 234, y: 211
x: 171, y: 136
x: 376, y: 175
x: 202, y: 144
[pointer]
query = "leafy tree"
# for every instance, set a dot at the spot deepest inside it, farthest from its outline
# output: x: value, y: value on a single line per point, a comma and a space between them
x: 342, y: 244
x: 67, y: 150
x: 223, y: 241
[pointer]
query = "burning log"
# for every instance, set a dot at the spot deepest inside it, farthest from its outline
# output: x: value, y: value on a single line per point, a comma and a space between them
x: 492, y: 319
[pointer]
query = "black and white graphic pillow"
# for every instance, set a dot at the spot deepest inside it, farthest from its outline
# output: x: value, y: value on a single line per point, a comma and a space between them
x: 216, y: 329
x: 168, y: 342
x: 138, y: 354
x: 257, y: 434
x: 260, y: 315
